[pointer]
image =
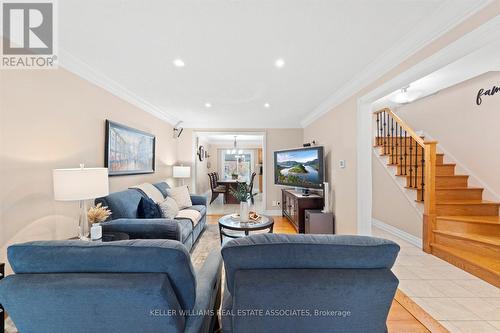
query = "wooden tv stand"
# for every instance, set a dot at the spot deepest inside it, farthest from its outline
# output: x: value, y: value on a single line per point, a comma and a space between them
x: 294, y: 203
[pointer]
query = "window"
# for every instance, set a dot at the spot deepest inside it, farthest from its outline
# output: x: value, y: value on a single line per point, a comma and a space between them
x: 239, y: 162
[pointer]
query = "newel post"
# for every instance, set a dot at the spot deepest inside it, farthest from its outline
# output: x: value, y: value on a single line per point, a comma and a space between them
x: 429, y: 195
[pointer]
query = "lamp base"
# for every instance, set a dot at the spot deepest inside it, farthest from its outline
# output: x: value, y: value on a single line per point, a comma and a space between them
x: 83, y: 224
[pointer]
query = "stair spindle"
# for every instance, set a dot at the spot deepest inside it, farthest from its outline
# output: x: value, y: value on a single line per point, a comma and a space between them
x: 416, y: 164
x: 405, y: 152
x: 392, y: 140
x: 422, y: 168
x: 377, y: 137
x: 385, y: 132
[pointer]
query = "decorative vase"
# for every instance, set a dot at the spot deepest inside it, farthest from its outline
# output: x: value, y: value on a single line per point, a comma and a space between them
x: 244, y: 211
x: 96, y: 231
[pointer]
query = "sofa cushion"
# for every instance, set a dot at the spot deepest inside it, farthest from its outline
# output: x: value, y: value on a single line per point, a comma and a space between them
x: 130, y: 256
x: 162, y: 187
x: 169, y: 208
x: 191, y: 214
x: 150, y: 191
x: 202, y: 209
x: 122, y: 204
x: 181, y: 196
x: 148, y: 209
x: 268, y: 251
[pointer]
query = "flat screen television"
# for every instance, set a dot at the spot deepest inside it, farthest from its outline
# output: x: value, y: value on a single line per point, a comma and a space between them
x: 302, y: 167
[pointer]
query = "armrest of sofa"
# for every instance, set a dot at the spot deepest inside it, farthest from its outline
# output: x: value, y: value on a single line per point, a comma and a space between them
x: 198, y: 199
x: 208, y: 293
x: 144, y: 228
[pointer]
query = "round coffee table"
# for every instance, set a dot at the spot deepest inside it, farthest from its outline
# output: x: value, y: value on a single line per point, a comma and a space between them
x: 228, y: 222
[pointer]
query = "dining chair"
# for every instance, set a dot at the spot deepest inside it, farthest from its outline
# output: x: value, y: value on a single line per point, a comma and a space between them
x: 215, y: 188
x: 250, y: 187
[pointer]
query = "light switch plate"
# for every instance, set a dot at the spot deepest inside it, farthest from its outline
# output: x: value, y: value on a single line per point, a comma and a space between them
x: 342, y: 164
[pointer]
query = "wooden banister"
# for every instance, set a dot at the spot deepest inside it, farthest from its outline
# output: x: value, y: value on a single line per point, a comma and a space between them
x: 404, y: 125
x: 421, y: 164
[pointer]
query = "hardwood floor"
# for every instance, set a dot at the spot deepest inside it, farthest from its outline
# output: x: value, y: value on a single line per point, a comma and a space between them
x: 405, y: 316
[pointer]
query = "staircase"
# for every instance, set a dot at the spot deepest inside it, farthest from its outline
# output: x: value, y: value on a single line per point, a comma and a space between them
x: 459, y: 226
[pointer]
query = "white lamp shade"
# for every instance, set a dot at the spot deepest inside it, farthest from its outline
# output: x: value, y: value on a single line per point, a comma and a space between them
x: 80, y: 183
x: 181, y: 172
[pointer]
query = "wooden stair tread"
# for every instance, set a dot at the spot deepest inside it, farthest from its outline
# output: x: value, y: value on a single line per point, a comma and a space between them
x: 485, y: 263
x: 473, y: 219
x: 459, y: 188
x: 467, y: 202
x: 490, y: 240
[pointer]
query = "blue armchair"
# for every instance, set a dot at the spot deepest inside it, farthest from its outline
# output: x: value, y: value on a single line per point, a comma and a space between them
x: 308, y: 283
x: 124, y: 204
x: 115, y: 287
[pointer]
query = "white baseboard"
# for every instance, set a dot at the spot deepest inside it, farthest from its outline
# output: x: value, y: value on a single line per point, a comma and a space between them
x: 398, y: 232
x: 273, y: 212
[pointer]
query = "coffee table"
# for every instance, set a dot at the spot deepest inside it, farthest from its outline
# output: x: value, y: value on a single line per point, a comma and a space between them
x: 228, y: 222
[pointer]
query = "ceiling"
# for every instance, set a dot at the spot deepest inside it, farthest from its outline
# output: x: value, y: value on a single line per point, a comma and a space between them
x: 229, y: 48
x: 481, y: 61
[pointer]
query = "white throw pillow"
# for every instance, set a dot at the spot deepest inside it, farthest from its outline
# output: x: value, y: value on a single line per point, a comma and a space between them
x: 181, y: 196
x: 151, y: 191
x: 169, y: 208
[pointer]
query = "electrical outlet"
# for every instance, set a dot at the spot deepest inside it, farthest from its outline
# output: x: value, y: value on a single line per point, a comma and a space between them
x: 342, y: 164
x: 275, y: 203
x: 278, y: 203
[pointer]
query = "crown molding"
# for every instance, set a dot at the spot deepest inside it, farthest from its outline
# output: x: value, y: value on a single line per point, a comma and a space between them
x: 77, y: 66
x: 447, y: 16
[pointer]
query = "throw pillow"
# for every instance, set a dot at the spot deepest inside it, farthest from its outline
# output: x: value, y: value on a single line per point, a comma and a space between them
x: 147, y: 209
x: 150, y: 191
x: 169, y: 208
x: 181, y: 196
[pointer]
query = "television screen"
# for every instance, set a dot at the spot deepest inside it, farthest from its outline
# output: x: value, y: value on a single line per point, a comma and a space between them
x: 301, y: 167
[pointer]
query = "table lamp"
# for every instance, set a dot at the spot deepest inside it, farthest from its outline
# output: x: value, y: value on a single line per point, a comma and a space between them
x: 80, y: 184
x: 180, y: 171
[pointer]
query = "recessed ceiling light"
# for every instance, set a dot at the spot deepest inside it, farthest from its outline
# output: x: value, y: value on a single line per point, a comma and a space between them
x: 267, y: 105
x: 208, y: 105
x: 279, y: 63
x: 179, y: 63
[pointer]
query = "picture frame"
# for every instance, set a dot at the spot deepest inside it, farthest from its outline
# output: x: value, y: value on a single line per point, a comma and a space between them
x: 128, y: 151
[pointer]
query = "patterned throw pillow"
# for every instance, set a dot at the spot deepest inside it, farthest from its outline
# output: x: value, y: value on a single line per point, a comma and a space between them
x: 148, y: 209
x: 169, y: 208
x: 181, y: 196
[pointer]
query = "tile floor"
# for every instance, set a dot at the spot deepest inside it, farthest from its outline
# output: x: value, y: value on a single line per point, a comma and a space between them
x: 458, y: 300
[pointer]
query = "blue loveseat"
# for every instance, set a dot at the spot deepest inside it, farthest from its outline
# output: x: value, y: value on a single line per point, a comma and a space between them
x: 146, y: 286
x: 124, y: 204
x: 308, y: 283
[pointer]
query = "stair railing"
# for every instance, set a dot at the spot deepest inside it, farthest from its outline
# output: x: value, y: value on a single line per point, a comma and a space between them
x: 414, y: 158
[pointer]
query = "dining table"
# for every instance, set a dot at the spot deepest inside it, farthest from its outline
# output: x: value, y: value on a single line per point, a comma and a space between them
x: 230, y: 183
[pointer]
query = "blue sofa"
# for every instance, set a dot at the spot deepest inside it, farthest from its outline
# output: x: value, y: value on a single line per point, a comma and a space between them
x: 123, y: 206
x: 146, y: 286
x: 308, y: 283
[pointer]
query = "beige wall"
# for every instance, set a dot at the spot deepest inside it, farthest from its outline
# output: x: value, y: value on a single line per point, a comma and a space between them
x: 468, y: 132
x: 342, y: 120
x: 54, y: 119
x: 202, y: 183
x: 390, y: 205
